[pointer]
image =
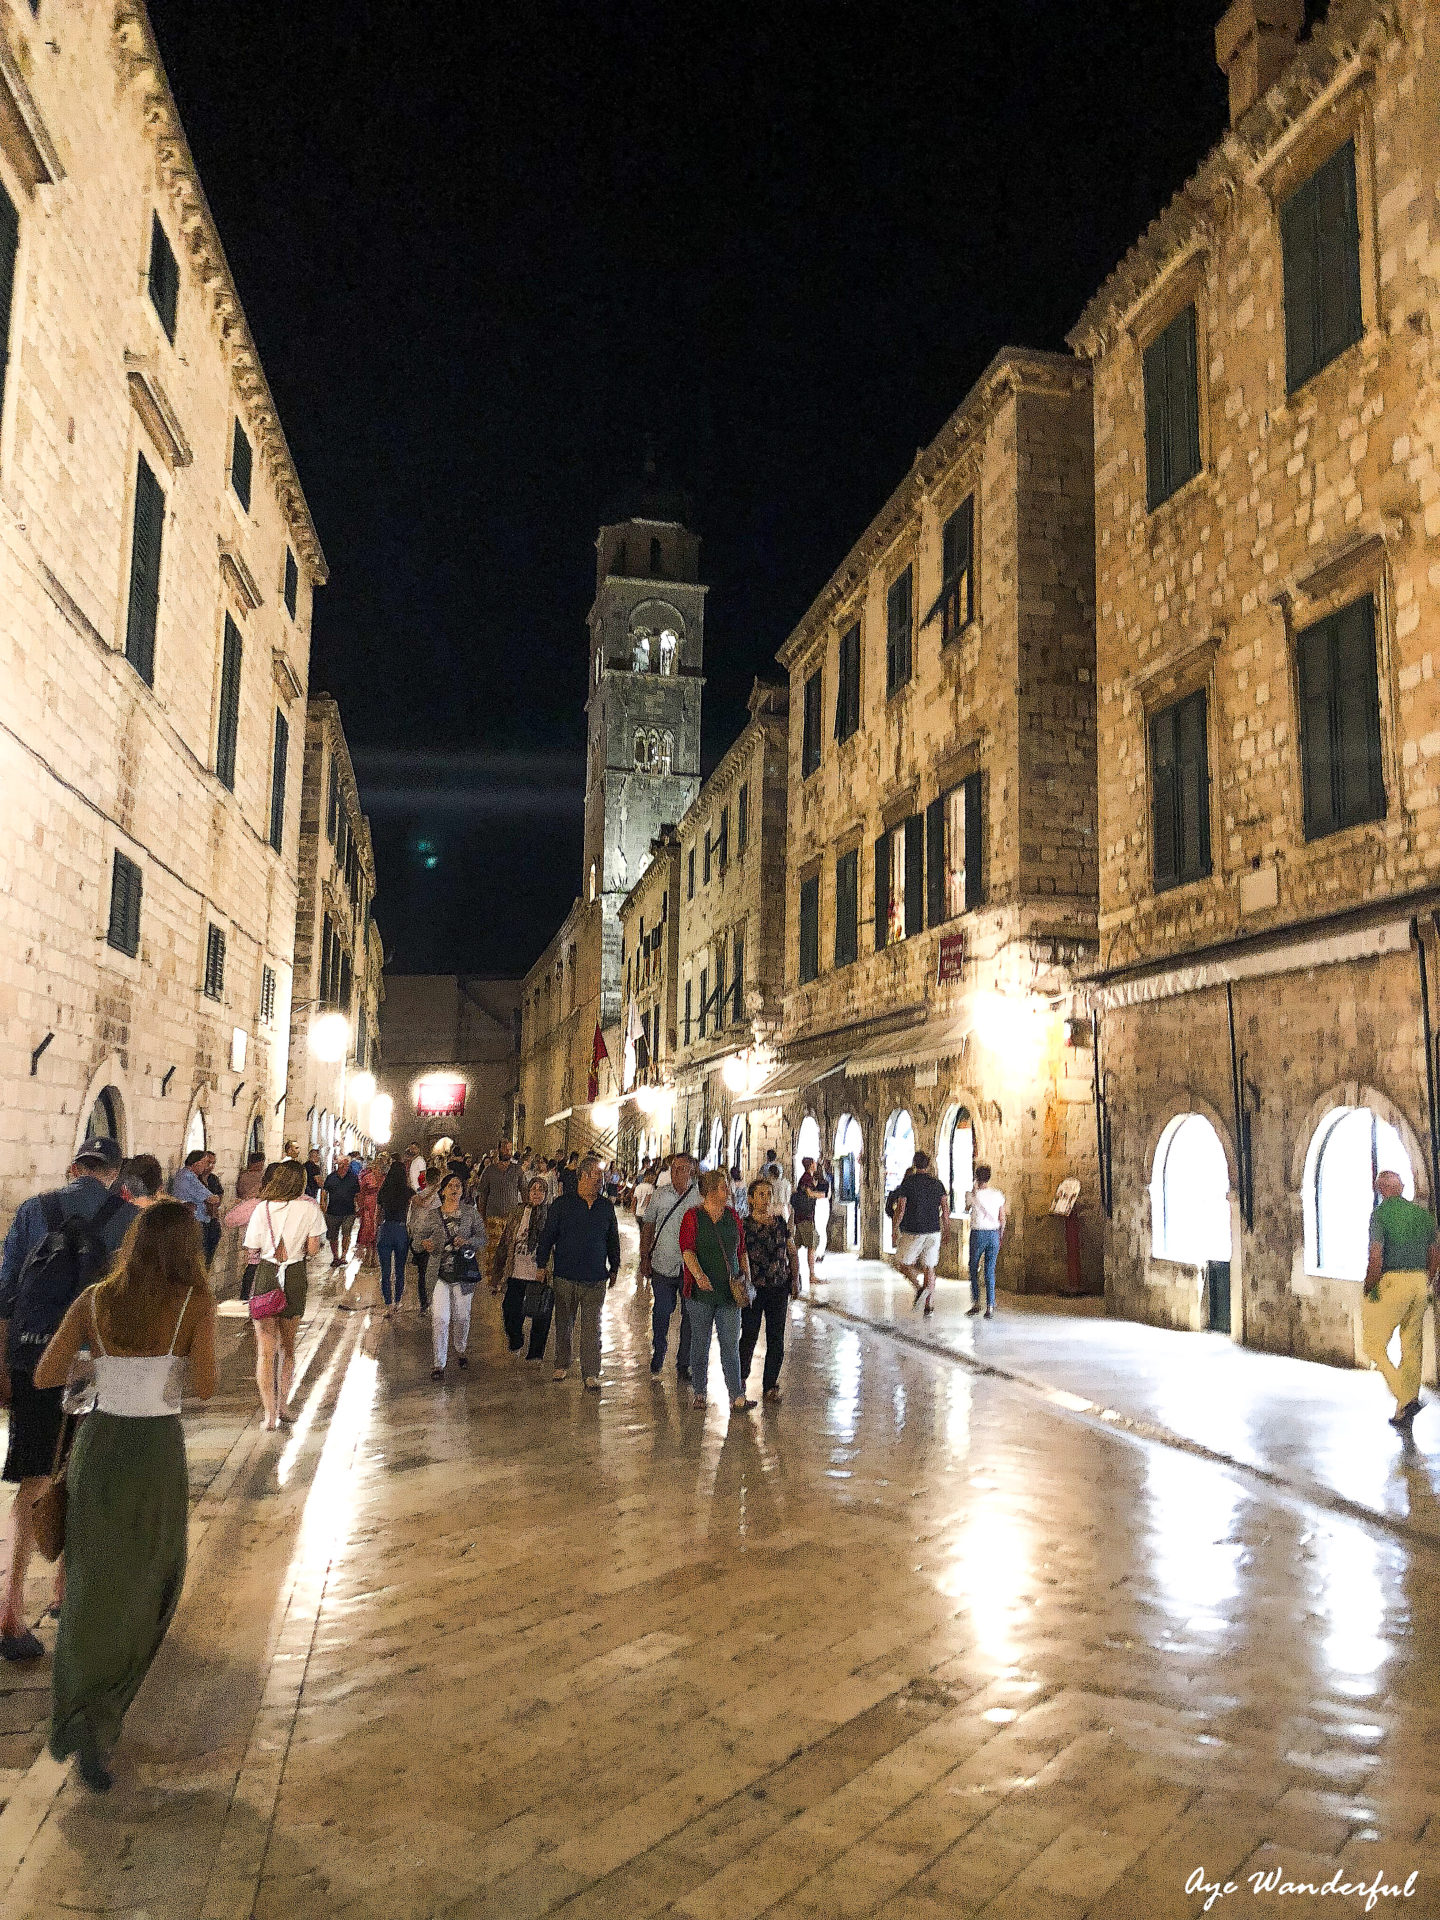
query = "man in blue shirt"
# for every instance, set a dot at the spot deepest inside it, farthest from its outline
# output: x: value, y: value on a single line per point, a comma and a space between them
x: 35, y: 1417
x: 583, y: 1234
x: 191, y: 1187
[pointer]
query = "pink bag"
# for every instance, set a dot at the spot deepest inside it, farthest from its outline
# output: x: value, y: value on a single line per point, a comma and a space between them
x: 267, y: 1298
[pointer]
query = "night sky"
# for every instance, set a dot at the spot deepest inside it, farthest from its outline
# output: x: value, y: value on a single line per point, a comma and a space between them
x: 487, y: 251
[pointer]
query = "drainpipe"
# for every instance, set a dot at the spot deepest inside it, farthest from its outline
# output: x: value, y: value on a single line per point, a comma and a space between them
x: 1102, y: 1128
x: 1430, y: 1107
x: 1247, y: 1199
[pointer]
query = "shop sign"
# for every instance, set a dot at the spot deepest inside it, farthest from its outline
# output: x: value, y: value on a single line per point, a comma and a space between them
x: 951, y: 962
x: 441, y: 1096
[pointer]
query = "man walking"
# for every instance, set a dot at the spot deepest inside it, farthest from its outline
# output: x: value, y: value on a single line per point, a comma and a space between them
x: 780, y: 1188
x: 75, y: 1255
x: 922, y: 1219
x: 810, y: 1189
x: 581, y: 1231
x: 338, y: 1197
x: 497, y: 1194
x: 1404, y: 1260
x: 663, y: 1264
x: 987, y: 1230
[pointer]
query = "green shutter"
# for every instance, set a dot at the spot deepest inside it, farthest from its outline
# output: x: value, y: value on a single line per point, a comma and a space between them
x: 1317, y: 747
x: 1361, y: 779
x: 142, y: 614
x: 164, y: 278
x: 847, y: 907
x: 1164, y: 804
x: 935, y: 862
x: 292, y: 583
x: 882, y: 890
x: 277, y: 783
x: 914, y: 874
x: 1338, y: 322
x: 1156, y: 370
x: 228, y: 731
x: 240, y: 465
x: 974, y: 843
x: 123, y: 932
x: 9, y: 248
x: 1193, y: 788
x: 1184, y: 386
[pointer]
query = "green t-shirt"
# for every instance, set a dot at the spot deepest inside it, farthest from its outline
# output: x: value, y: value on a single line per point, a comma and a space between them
x: 1405, y: 1232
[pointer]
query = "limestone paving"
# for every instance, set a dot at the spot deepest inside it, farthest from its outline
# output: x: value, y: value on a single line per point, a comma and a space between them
x: 915, y: 1644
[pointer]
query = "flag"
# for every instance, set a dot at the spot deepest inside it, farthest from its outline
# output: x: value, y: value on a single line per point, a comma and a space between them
x: 598, y: 1052
x: 634, y: 1039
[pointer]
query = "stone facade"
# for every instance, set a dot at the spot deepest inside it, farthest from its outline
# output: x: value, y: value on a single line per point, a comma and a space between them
x: 339, y: 958
x: 1267, y: 893
x: 650, y: 958
x: 454, y: 1025
x: 148, y: 503
x: 942, y: 788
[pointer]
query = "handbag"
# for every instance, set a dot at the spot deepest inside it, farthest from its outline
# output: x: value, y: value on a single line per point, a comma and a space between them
x: 460, y: 1266
x: 267, y: 1290
x: 47, y: 1516
x: 539, y: 1299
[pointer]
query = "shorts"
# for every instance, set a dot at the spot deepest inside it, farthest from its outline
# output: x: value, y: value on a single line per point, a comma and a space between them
x: 807, y: 1235
x: 297, y: 1289
x: 36, y: 1417
x: 918, y: 1249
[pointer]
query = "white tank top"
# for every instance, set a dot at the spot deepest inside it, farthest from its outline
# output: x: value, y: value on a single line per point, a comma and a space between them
x: 139, y: 1387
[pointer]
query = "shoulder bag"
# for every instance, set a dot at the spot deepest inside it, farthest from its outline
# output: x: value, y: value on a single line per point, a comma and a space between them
x: 460, y: 1266
x: 267, y: 1294
x: 47, y: 1516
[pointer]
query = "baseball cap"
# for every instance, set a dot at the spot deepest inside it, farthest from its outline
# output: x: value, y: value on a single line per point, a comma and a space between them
x: 100, y: 1147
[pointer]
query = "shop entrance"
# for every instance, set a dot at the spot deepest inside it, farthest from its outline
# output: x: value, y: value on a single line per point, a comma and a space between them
x: 849, y: 1150
x: 899, y: 1151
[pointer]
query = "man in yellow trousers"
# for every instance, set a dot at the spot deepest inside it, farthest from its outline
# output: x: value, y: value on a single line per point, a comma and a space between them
x: 1404, y: 1259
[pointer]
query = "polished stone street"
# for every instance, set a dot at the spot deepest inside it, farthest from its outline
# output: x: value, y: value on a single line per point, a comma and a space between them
x: 921, y: 1642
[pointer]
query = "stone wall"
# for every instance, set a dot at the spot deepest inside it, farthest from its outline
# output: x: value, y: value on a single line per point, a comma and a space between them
x: 451, y: 1023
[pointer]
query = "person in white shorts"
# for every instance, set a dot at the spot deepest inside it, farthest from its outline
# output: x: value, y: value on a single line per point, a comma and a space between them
x: 922, y: 1219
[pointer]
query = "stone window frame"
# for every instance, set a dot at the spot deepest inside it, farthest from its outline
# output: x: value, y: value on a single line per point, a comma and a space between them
x: 1361, y: 567
x: 962, y: 484
x: 1185, y: 284
x: 115, y: 959
x: 1192, y: 670
x: 1346, y: 113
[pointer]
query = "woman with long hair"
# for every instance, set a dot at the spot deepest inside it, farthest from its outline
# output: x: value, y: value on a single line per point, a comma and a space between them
x: 365, y: 1207
x: 284, y: 1230
x: 447, y: 1229
x: 127, y: 1482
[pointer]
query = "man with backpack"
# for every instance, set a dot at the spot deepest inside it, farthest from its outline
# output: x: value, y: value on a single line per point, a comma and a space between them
x: 59, y: 1243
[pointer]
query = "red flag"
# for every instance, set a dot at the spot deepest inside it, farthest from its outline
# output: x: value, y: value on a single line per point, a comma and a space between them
x: 598, y: 1053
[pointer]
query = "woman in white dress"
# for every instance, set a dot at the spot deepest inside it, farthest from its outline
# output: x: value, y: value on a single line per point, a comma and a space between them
x: 284, y: 1230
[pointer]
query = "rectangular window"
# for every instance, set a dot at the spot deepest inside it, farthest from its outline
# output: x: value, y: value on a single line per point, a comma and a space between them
x: 690, y: 874
x: 328, y: 954
x: 687, y: 1012
x: 704, y: 1001
x: 292, y: 584
x: 1340, y: 721
x: 724, y: 838
x: 277, y: 782
x: 126, y: 887
x: 332, y: 805
x: 1180, y: 792
x: 810, y: 929
x: 227, y: 731
x: 1320, y: 246
x: 267, y: 996
x: 847, y: 908
x: 914, y: 841
x: 957, y: 571
x: 898, y: 623
x: 143, y: 611
x: 810, y: 739
x: 952, y: 861
x: 1172, y: 409
x: 9, y: 248
x: 214, y: 963
x: 737, y: 989
x: 709, y: 846
x: 241, y: 462
x: 164, y: 278
x: 882, y: 891
x: 847, y: 684
x: 720, y: 993
x: 742, y: 822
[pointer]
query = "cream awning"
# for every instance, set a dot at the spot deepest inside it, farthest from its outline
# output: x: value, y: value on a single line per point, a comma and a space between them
x: 787, y: 1079
x: 934, y: 1039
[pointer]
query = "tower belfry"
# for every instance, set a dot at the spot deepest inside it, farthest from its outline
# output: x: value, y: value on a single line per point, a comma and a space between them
x: 645, y: 676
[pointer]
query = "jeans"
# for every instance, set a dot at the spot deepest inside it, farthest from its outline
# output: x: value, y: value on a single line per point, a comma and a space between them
x: 584, y: 1298
x: 984, y: 1251
x: 772, y: 1305
x: 664, y: 1298
x: 452, y: 1316
x: 210, y: 1234
x: 392, y: 1245
x: 512, y: 1311
x: 704, y: 1312
x: 422, y: 1262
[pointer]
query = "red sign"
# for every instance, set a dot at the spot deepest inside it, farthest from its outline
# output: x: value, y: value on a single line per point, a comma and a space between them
x: 951, y: 963
x: 441, y: 1096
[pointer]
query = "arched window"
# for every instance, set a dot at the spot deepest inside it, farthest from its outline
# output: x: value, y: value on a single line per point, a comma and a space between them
x: 717, y: 1142
x: 106, y: 1117
x: 640, y: 658
x: 195, y: 1141
x: 654, y: 750
x: 955, y: 1156
x: 737, y: 1143
x: 848, y: 1149
x: 1190, y: 1193
x: 667, y: 751
x: 807, y: 1142
x: 256, y: 1142
x: 641, y: 750
x: 1350, y: 1149
x: 669, y: 648
x: 699, y: 1147
x: 899, y: 1151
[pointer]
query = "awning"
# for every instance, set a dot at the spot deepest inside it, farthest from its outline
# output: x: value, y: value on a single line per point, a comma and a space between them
x: 554, y: 1119
x: 787, y: 1079
x: 935, y: 1039
x: 1296, y: 956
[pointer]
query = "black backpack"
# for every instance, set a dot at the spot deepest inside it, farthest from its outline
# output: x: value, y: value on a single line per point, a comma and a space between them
x: 71, y: 1257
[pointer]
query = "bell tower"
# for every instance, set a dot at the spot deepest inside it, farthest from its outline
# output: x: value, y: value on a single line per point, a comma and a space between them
x: 645, y: 676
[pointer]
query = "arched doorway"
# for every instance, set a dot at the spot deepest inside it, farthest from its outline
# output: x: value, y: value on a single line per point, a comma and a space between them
x: 849, y: 1149
x: 256, y: 1142
x: 897, y: 1153
x: 1190, y: 1194
x: 717, y: 1144
x: 738, y: 1156
x: 107, y: 1117
x: 807, y: 1142
x: 195, y: 1141
x: 955, y: 1157
x: 1349, y: 1150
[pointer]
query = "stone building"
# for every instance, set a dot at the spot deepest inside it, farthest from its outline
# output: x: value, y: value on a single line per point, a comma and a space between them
x: 941, y: 852
x: 731, y: 889
x: 339, y: 957
x: 157, y: 562
x: 650, y: 956
x: 449, y: 1041
x: 644, y: 677
x: 1266, y: 417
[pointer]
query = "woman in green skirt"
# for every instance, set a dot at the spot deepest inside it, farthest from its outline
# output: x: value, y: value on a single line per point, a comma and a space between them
x: 127, y: 1482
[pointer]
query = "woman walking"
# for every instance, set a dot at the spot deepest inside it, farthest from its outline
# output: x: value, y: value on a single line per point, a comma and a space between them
x: 517, y: 1263
x: 127, y: 1482
x: 775, y: 1278
x: 365, y: 1207
x: 421, y: 1201
x: 449, y: 1229
x: 284, y: 1230
x: 392, y: 1241
x: 712, y: 1246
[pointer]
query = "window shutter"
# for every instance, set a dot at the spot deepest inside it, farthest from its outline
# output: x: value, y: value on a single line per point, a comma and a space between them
x: 974, y: 844
x: 1357, y: 715
x: 1156, y: 366
x: 9, y: 247
x: 898, y: 625
x: 1317, y: 756
x: 228, y: 730
x: 240, y: 465
x: 1299, y: 252
x: 144, y: 606
x: 882, y: 889
x: 1164, y: 784
x: 1337, y: 277
x: 126, y: 884
x: 214, y: 963
x: 687, y: 1012
x: 847, y: 907
x: 164, y: 278
x: 1184, y: 398
x: 292, y: 584
x: 739, y: 981
x: 935, y: 862
x: 277, y: 783
x: 742, y: 820
x: 809, y: 928
x: 914, y: 874
x: 1193, y: 788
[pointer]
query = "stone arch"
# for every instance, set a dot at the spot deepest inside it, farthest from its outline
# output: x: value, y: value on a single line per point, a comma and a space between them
x: 110, y: 1076
x: 1352, y: 1093
x: 1183, y: 1103
x: 197, y: 1123
x: 1190, y: 1193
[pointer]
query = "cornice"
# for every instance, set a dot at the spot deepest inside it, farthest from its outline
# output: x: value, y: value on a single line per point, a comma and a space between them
x: 723, y: 777
x: 140, y: 65
x: 1354, y: 31
x: 156, y: 409
x: 236, y: 569
x: 1013, y: 370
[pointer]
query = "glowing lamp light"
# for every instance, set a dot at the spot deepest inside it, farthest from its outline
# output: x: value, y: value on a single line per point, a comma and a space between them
x: 362, y: 1085
x: 736, y: 1073
x: 654, y: 1100
x: 330, y: 1037
x: 382, y: 1115
x: 605, y: 1114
